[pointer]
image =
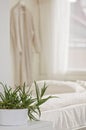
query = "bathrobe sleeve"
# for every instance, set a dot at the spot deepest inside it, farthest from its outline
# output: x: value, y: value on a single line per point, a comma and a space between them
x: 36, y: 38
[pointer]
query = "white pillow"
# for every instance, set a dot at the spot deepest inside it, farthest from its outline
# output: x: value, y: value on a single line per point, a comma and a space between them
x: 82, y: 83
x: 55, y: 87
x: 77, y: 87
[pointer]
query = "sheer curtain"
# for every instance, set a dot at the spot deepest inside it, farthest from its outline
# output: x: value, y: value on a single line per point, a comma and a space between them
x: 61, y: 35
x: 54, y: 25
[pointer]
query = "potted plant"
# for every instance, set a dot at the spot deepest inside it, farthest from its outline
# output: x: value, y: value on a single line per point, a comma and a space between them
x: 18, y: 104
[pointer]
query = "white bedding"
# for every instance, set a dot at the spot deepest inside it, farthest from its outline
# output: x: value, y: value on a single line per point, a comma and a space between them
x: 59, y: 87
x: 67, y: 112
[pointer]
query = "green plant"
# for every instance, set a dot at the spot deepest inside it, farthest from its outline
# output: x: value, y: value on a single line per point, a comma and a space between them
x: 19, y: 98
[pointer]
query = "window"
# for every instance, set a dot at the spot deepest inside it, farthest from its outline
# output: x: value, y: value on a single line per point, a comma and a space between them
x: 77, y: 39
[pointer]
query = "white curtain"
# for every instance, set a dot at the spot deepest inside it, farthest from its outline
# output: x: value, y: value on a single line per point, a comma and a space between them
x: 61, y: 35
x: 54, y: 25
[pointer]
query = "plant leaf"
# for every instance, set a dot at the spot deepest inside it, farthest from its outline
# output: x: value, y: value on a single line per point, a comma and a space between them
x: 37, y: 91
x: 43, y: 90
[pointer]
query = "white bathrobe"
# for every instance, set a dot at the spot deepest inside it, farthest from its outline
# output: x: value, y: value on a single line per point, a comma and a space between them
x: 23, y: 37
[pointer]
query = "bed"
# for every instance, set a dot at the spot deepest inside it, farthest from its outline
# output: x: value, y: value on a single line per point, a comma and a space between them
x: 68, y: 112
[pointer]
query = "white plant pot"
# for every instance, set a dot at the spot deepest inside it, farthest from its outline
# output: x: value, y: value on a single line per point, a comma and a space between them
x: 11, y: 117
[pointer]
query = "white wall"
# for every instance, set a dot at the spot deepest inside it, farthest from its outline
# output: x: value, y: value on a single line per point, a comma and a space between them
x: 5, y: 57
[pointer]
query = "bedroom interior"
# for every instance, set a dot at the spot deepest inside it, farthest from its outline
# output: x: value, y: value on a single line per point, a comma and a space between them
x: 45, y: 40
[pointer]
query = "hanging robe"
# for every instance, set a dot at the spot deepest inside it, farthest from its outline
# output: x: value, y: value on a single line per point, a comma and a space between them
x: 23, y: 37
